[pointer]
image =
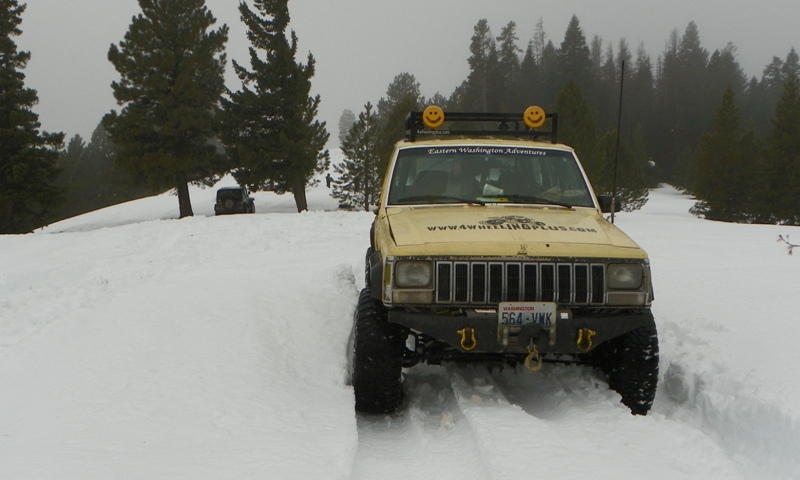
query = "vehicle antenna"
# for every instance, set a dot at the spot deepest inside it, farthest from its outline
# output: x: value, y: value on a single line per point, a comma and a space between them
x: 616, y: 150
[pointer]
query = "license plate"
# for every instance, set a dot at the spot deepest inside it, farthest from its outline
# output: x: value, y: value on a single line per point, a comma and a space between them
x: 517, y: 314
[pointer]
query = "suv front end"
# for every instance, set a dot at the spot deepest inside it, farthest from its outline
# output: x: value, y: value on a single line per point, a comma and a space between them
x: 514, y: 263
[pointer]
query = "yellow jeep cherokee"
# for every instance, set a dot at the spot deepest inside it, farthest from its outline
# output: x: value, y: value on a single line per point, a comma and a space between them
x: 490, y: 246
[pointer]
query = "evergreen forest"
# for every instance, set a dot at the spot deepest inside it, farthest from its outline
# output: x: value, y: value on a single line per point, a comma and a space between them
x: 689, y: 117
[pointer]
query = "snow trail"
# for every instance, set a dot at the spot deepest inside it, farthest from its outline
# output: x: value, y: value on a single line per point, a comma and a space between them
x: 429, y: 434
x: 134, y: 346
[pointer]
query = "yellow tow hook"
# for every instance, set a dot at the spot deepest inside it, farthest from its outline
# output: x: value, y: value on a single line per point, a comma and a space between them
x: 468, y: 340
x: 585, y: 339
x: 533, y: 353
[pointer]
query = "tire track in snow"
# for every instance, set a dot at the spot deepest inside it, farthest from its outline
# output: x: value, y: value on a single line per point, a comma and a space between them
x: 428, y: 434
x: 755, y: 431
x: 564, y: 422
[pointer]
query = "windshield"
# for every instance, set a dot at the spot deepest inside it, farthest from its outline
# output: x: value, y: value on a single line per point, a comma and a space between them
x: 484, y: 174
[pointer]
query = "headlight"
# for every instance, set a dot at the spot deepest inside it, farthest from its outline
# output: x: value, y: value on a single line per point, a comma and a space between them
x: 413, y: 274
x: 625, y: 276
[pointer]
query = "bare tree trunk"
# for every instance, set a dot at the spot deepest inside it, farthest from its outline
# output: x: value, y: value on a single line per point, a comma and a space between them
x: 299, y: 192
x: 184, y: 202
x: 5, y: 221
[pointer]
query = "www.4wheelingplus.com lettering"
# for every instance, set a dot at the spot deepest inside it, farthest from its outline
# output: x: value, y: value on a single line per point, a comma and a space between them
x: 510, y: 222
x: 511, y: 226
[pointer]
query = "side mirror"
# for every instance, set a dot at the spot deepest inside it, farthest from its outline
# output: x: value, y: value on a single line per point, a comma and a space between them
x: 605, y: 204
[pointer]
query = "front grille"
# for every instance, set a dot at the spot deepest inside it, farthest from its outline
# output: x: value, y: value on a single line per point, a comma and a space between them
x: 492, y: 282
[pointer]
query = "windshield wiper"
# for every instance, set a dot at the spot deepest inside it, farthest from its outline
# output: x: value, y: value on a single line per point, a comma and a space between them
x: 532, y: 199
x: 439, y: 198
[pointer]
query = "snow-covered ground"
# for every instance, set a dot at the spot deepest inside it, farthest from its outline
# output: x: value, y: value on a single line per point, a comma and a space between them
x: 137, y: 346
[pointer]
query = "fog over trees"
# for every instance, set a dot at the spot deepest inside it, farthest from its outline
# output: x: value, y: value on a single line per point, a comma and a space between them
x: 690, y: 117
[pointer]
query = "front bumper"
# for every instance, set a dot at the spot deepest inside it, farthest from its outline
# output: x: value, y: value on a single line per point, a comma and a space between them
x: 476, y: 331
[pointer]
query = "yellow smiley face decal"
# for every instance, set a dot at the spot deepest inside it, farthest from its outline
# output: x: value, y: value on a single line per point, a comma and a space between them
x: 534, y: 117
x: 433, y: 117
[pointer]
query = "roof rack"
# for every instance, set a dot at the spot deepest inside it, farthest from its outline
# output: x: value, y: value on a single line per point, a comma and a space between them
x: 520, y: 125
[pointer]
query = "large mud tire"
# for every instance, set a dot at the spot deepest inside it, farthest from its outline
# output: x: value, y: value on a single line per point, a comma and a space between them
x: 630, y: 362
x: 377, y: 358
x: 367, y: 267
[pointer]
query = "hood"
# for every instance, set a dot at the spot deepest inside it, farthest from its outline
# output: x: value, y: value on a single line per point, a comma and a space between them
x: 516, y: 230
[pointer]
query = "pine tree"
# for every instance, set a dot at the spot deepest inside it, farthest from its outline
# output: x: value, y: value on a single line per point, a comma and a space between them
x: 404, y: 86
x: 596, y: 57
x: 577, y: 127
x: 633, y: 177
x: 639, y: 95
x: 683, y: 108
x: 725, y: 180
x: 476, y: 94
x: 505, y: 77
x: 597, y: 151
x: 772, y: 81
x: 723, y: 72
x: 606, y: 90
x: 767, y: 91
x: 538, y: 42
x: 437, y: 99
x: 574, y: 57
x: 28, y: 157
x: 526, y: 92
x: 695, y: 107
x: 783, y: 166
x: 271, y: 132
x: 116, y: 184
x: 623, y: 57
x: 548, y: 75
x: 402, y: 96
x: 101, y: 154
x: 791, y: 67
x: 346, y: 122
x: 92, y: 178
x: 72, y: 157
x: 773, y: 72
x: 359, y: 179
x: 171, y: 69
x: 663, y: 142
x: 74, y: 179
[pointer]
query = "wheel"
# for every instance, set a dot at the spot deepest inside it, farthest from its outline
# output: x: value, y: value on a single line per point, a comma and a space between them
x: 630, y: 362
x: 229, y: 204
x: 377, y: 358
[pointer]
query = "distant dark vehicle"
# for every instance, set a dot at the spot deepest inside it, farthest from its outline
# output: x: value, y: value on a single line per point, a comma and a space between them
x: 234, y: 200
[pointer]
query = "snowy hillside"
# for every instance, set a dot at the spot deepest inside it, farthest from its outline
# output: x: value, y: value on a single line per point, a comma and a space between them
x: 137, y: 346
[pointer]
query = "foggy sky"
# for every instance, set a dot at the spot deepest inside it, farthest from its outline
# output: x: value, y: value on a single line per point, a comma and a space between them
x: 360, y: 45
